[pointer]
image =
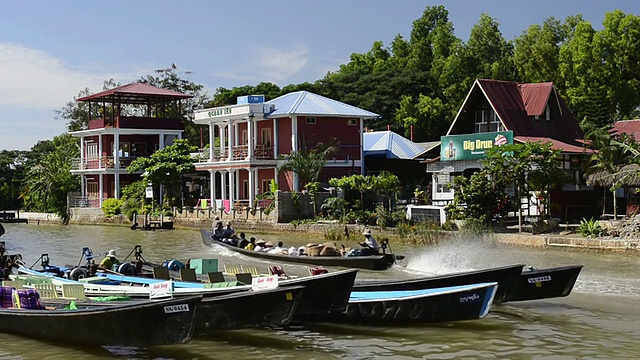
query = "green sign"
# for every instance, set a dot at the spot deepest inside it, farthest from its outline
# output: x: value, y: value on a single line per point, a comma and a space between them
x: 472, y: 146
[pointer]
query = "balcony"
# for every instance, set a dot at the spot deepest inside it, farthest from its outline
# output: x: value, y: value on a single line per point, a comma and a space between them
x: 104, y: 162
x: 239, y: 152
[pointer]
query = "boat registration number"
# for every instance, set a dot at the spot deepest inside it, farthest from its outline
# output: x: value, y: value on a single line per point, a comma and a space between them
x: 539, y: 279
x: 176, y: 308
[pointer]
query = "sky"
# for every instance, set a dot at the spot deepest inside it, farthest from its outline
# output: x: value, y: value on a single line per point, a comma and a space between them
x: 52, y: 50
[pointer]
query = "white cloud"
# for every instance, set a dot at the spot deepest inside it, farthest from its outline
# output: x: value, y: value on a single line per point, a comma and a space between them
x: 268, y: 64
x: 280, y: 64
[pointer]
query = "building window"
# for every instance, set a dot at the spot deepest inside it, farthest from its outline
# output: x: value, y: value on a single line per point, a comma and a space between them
x: 138, y: 149
x: 311, y: 121
x: 92, y: 190
x: 123, y: 150
x: 265, y: 137
x: 352, y: 122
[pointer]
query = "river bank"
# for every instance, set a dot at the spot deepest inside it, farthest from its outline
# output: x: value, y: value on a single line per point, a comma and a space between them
x: 335, y: 231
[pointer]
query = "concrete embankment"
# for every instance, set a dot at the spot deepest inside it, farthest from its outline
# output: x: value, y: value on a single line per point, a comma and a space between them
x: 571, y: 242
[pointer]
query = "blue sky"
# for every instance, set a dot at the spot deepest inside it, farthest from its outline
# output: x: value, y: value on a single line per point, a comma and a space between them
x: 51, y: 50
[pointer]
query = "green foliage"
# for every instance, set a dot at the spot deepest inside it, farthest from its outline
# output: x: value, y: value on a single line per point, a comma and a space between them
x: 475, y: 227
x: 48, y: 180
x: 335, y: 234
x: 269, y: 195
x: 111, y: 207
x: 333, y: 207
x: 297, y: 203
x: 167, y: 167
x: 133, y: 198
x: 308, y: 164
x: 590, y: 228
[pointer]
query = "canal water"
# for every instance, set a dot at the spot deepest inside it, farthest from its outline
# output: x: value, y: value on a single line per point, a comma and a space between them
x: 599, y: 320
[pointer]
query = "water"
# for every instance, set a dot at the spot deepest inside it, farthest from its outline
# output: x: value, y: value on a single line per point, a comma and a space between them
x: 597, y: 321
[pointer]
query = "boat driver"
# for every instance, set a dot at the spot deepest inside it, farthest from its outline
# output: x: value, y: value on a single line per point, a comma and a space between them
x: 369, y: 246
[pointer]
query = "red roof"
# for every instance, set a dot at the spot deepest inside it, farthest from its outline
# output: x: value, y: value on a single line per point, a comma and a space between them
x: 535, y: 97
x: 630, y: 127
x: 135, y: 93
x: 555, y: 144
x: 516, y: 103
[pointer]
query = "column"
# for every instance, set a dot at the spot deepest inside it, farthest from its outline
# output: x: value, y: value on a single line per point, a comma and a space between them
x: 250, y: 134
x: 117, y: 186
x: 212, y: 188
x: 100, y: 153
x: 161, y: 141
x: 229, y: 141
x: 101, y: 186
x: 223, y: 185
x: 252, y: 190
x: 222, y: 138
x: 212, y: 135
x: 116, y: 150
x: 362, y: 147
x: 82, y: 154
x: 232, y: 188
x: 275, y: 138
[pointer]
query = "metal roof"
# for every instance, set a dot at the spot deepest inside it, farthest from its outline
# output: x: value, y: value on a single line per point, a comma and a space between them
x: 390, y: 144
x: 629, y: 127
x: 555, y: 144
x: 135, y: 93
x: 309, y: 104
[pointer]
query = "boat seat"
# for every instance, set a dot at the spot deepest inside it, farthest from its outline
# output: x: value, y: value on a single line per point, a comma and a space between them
x: 244, y: 278
x: 249, y: 269
x: 222, y: 284
x: 277, y: 270
x: 215, y: 277
x: 16, y: 284
x: 161, y: 272
x: 73, y: 291
x: 188, y: 275
x: 46, y: 290
x: 232, y: 269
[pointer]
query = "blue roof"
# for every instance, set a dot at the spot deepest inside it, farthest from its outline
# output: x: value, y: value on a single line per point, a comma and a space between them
x: 390, y: 144
x: 309, y: 104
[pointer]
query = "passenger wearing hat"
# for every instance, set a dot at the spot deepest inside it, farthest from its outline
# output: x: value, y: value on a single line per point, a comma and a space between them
x: 259, y: 245
x: 110, y: 260
x: 369, y: 246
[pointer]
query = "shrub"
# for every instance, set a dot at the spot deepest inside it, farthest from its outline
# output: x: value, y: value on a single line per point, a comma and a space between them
x: 111, y: 207
x: 590, y: 228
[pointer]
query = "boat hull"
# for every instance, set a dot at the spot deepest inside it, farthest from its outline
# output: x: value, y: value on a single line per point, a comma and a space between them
x: 467, y: 302
x: 545, y: 283
x: 375, y: 262
x: 248, y: 309
x: 137, y: 323
x: 507, y: 277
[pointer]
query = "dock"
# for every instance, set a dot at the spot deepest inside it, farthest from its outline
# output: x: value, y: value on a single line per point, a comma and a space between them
x: 11, y: 216
x: 152, y: 222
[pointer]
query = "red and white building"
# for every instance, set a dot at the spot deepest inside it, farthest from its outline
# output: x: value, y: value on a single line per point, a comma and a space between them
x: 252, y: 138
x: 136, y: 120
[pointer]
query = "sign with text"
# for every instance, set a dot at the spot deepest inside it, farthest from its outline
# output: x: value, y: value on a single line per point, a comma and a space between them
x: 264, y: 282
x: 472, y: 146
x: 149, y: 192
x: 161, y: 290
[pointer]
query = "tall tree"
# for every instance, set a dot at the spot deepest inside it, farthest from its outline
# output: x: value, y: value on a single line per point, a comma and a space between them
x: 308, y: 164
x: 49, y: 180
x: 166, y: 167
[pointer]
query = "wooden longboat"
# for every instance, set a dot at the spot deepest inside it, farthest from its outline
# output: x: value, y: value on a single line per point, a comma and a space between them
x: 324, y: 293
x: 456, y: 303
x: 248, y: 309
x: 507, y: 278
x: 137, y: 323
x: 535, y: 284
x: 514, y: 283
x: 373, y: 262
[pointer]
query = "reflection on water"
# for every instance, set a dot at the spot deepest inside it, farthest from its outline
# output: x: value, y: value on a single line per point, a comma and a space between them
x: 597, y: 320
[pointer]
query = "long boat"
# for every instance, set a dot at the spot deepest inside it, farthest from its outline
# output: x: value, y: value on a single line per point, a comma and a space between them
x: 248, y: 309
x: 455, y: 303
x: 324, y: 293
x: 546, y: 283
x: 139, y: 323
x: 514, y: 283
x: 371, y: 262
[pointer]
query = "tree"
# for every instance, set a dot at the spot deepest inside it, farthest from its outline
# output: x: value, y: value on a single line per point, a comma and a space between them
x: 531, y: 166
x: 166, y: 167
x: 168, y: 78
x: 11, y: 178
x: 308, y: 164
x: 76, y: 113
x: 49, y: 180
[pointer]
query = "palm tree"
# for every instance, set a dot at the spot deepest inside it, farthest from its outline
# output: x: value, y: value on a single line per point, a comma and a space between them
x: 308, y: 164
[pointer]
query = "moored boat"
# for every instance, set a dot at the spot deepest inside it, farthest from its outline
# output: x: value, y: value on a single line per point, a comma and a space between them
x: 137, y: 323
x: 455, y: 303
x: 382, y: 261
